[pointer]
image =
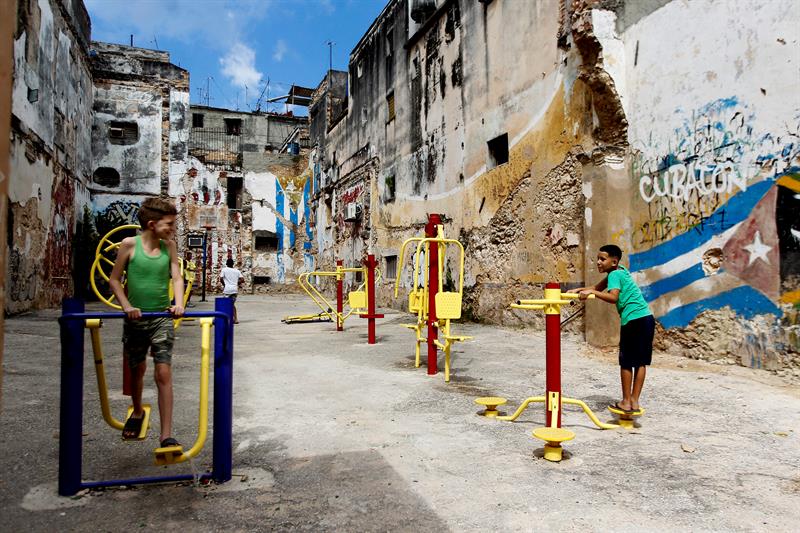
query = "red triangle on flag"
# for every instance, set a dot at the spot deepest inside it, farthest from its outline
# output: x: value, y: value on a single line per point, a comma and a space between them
x: 752, y: 254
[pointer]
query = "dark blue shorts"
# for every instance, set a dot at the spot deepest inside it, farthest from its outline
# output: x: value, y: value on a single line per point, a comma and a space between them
x: 636, y: 342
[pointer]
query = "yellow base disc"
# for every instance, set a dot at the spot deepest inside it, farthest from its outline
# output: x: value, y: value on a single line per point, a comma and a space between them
x: 553, y: 453
x: 145, y: 421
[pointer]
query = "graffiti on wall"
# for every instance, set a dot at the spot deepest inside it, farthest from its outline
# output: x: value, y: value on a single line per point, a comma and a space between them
x: 117, y: 213
x: 720, y: 230
x: 713, y: 156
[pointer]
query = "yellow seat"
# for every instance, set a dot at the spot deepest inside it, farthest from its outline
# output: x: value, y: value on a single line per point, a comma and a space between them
x: 358, y: 299
x: 491, y: 403
x: 448, y: 305
x: 553, y: 434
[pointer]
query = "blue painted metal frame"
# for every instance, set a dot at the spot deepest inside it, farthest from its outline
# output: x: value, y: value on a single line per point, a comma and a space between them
x: 70, y: 452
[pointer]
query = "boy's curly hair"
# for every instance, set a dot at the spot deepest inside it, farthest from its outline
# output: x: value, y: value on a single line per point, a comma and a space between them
x: 155, y: 209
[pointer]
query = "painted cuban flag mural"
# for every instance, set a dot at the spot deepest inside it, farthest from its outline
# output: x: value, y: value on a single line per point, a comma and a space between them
x: 722, y: 227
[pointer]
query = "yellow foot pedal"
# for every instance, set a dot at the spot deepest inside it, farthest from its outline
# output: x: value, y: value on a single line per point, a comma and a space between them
x: 553, y: 437
x: 168, y: 455
x: 145, y: 422
x: 491, y: 403
x: 626, y: 418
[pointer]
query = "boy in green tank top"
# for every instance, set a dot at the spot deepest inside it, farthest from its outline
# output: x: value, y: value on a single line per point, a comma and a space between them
x: 150, y: 259
x: 637, y: 324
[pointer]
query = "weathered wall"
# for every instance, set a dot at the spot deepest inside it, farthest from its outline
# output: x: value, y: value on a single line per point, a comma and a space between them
x: 50, y: 152
x: 464, y: 76
x: 259, y: 222
x: 139, y: 136
x: 713, y: 172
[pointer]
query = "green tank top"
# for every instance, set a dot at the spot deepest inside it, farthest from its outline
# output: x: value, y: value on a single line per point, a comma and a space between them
x: 148, y: 278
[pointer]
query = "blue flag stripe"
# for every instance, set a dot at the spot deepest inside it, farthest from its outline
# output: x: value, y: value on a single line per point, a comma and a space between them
x: 745, y: 301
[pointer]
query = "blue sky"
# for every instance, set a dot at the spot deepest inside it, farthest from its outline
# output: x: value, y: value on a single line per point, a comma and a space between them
x: 240, y: 44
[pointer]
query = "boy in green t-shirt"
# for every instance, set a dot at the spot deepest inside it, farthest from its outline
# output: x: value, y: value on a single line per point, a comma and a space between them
x: 637, y: 323
x: 150, y: 259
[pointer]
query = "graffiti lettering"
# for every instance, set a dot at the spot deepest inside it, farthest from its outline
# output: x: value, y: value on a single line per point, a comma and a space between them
x: 679, y: 181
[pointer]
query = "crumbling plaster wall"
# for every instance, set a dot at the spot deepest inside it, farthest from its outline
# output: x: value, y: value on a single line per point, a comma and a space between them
x: 50, y: 152
x: 142, y: 87
x: 279, y: 186
x: 138, y: 164
x: 472, y: 73
x: 712, y: 178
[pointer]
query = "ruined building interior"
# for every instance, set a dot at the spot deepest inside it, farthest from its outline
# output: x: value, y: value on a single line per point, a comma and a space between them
x: 539, y: 134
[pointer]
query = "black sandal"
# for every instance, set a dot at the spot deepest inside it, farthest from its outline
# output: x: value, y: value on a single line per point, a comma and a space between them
x: 132, y: 428
x: 169, y: 442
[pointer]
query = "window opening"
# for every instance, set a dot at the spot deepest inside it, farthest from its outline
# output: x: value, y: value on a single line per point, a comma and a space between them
x: 233, y: 126
x: 390, y: 106
x: 391, y: 267
x: 197, y: 120
x: 266, y: 243
x: 498, y: 150
x: 235, y: 192
x: 106, y: 176
x: 123, y: 132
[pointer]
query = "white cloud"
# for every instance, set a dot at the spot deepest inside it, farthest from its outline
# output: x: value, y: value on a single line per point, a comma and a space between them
x: 184, y: 20
x: 239, y: 65
x: 280, y: 50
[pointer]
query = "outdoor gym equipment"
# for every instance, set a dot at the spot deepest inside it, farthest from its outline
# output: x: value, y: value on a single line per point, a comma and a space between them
x: 360, y: 301
x: 72, y: 322
x: 626, y: 418
x: 552, y: 434
x: 106, y: 254
x: 434, y: 307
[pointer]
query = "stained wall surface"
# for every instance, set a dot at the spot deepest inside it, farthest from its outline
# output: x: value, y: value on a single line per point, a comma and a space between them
x: 50, y: 157
x: 241, y: 180
x: 543, y: 131
x: 714, y: 172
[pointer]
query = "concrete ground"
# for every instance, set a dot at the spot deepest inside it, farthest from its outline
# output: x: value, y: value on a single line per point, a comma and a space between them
x: 332, y: 434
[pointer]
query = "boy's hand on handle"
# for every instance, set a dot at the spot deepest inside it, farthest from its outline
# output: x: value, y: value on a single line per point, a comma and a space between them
x: 133, y: 313
x: 176, y: 310
x: 586, y: 293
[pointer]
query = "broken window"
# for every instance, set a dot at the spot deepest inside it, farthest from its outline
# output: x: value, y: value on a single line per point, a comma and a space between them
x: 123, y: 132
x: 498, y: 150
x: 197, y: 120
x: 233, y: 126
x: 390, y: 106
x: 388, y: 182
x: 106, y: 176
x: 266, y: 243
x: 391, y: 267
x: 235, y: 192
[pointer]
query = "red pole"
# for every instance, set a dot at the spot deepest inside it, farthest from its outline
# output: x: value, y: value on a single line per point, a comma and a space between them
x: 553, y: 349
x: 339, y: 298
x: 371, y: 263
x: 433, y: 288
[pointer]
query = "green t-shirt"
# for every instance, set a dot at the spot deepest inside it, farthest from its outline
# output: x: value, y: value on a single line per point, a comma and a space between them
x: 148, y: 278
x: 630, y: 304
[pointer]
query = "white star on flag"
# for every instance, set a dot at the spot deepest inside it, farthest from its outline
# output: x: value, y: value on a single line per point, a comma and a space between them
x: 757, y: 249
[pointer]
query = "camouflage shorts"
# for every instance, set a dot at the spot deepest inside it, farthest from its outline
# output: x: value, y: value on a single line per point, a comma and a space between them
x: 138, y: 336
